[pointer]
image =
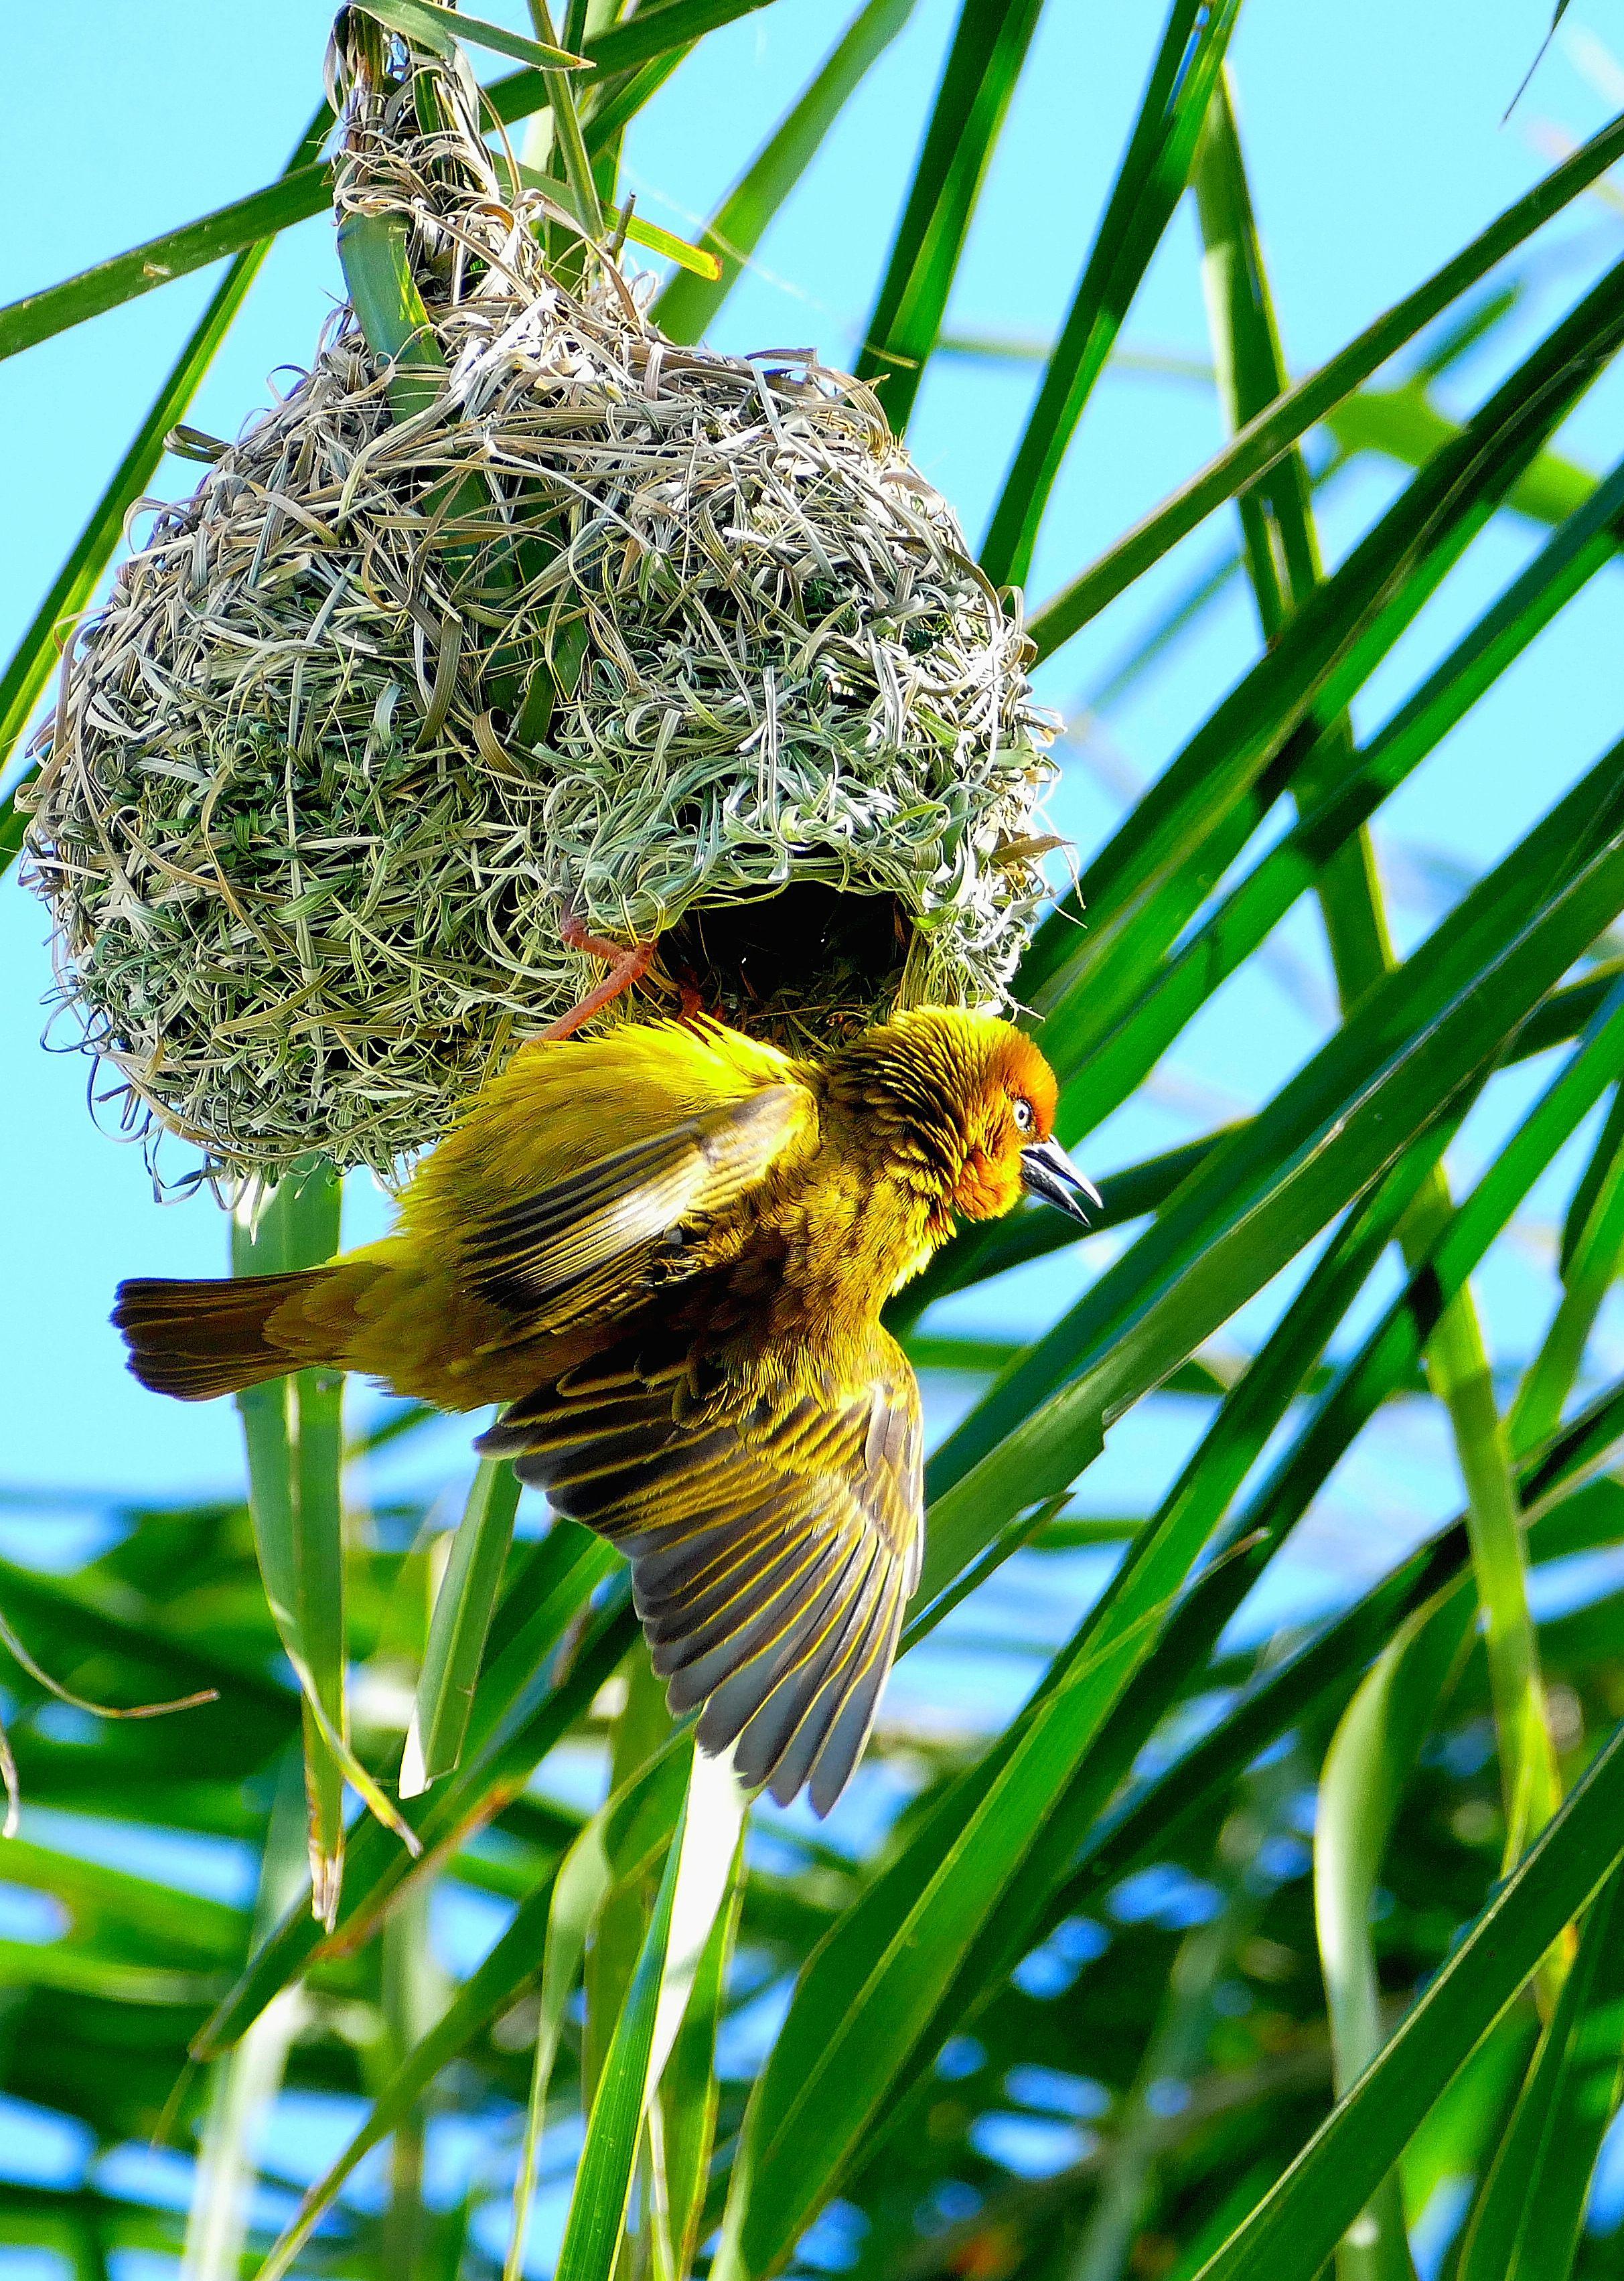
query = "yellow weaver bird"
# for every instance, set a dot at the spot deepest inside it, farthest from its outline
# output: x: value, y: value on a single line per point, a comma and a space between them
x: 666, y: 1250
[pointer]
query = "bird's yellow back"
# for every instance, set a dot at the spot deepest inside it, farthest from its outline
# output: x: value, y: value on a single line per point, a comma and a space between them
x: 557, y: 1108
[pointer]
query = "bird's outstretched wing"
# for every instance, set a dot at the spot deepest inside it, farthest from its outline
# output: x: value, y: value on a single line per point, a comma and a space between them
x: 582, y: 1247
x: 774, y: 1540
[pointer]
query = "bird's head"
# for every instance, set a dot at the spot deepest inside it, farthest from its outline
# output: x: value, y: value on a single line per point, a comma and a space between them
x: 970, y: 1102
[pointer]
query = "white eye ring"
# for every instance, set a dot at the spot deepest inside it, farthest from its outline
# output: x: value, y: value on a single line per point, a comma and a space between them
x: 1023, y: 1115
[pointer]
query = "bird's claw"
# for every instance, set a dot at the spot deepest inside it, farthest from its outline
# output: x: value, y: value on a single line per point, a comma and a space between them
x: 626, y: 969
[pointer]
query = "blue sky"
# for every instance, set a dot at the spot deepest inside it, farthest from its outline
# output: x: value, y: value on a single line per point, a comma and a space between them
x: 1376, y: 144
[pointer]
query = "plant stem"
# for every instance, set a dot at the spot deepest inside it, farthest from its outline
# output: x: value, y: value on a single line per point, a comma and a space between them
x: 1283, y: 558
x: 640, y: 1729
x: 244, y: 2080
x: 293, y: 1430
x: 413, y: 1998
x: 1177, y: 2049
x: 567, y: 129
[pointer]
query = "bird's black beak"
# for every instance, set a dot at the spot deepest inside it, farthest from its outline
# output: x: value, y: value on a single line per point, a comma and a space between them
x: 1048, y: 1171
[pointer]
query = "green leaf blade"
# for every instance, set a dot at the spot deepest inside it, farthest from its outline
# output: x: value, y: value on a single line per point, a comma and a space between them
x: 1297, y: 2224
x: 461, y: 1625
x: 984, y: 62
x: 1273, y: 432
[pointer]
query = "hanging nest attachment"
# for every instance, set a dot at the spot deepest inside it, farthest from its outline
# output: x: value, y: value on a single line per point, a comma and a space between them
x: 546, y: 618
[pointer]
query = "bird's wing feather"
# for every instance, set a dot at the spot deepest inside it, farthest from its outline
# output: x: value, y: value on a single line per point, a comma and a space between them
x: 575, y: 1249
x: 774, y: 1542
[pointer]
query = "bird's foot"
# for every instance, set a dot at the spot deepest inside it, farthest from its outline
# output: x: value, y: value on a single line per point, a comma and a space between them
x: 626, y: 967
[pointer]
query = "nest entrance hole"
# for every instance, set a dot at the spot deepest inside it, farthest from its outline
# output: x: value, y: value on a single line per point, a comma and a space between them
x: 801, y: 968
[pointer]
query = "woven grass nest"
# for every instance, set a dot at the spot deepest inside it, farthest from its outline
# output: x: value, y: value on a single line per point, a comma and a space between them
x: 677, y: 642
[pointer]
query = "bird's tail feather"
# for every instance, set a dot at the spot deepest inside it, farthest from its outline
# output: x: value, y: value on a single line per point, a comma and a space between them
x: 195, y: 1339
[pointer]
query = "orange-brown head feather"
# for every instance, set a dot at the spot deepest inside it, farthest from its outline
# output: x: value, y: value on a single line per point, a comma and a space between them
x: 961, y: 1094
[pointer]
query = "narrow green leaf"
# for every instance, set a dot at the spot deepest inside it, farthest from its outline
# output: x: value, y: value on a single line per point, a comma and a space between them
x: 647, y: 233
x: 1280, y: 547
x: 1438, y: 1272
x: 1184, y: 609
x: 1458, y: 1372
x: 377, y: 270
x: 989, y: 47
x: 1284, y: 560
x: 246, y: 2080
x: 1414, y: 1040
x: 1300, y: 862
x: 1564, y: 1013
x: 615, y: 102
x: 687, y: 306
x: 698, y: 1873
x: 438, y: 29
x: 1193, y: 822
x: 1173, y: 2056
x: 107, y: 284
x: 597, y: 2222
x: 1297, y: 2224
x: 641, y: 1731
x: 307, y: 190
x: 1152, y: 1814
x: 1264, y: 439
x: 1530, y: 2211
x: 1557, y: 14
x: 35, y: 657
x: 1149, y: 183
x: 414, y: 1991
x: 892, y: 1958
x: 461, y: 1625
x: 144, y: 1917
x: 655, y: 31
x: 1587, y: 1190
x: 567, y: 139
x: 1163, y: 1556
x: 689, y: 2092
x: 375, y: 254
x: 295, y: 1450
x: 1403, y: 424
x: 1593, y: 1243
x: 518, y: 1715
x: 1372, y: 1755
x: 627, y: 1835
x: 873, y: 1985
x: 546, y: 1936
x: 491, y: 1990
x: 813, y: 2104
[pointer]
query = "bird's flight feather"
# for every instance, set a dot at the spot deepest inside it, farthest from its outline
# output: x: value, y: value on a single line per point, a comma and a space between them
x: 774, y: 1543
x: 575, y: 1249
x: 665, y: 1249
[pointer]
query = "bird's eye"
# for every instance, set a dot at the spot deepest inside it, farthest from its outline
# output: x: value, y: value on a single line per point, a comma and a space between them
x: 1024, y: 1115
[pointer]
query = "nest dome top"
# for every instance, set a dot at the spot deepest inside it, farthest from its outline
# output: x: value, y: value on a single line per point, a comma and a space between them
x: 579, y: 621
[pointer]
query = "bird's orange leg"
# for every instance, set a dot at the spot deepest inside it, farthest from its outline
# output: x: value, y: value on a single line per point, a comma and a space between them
x: 626, y: 967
